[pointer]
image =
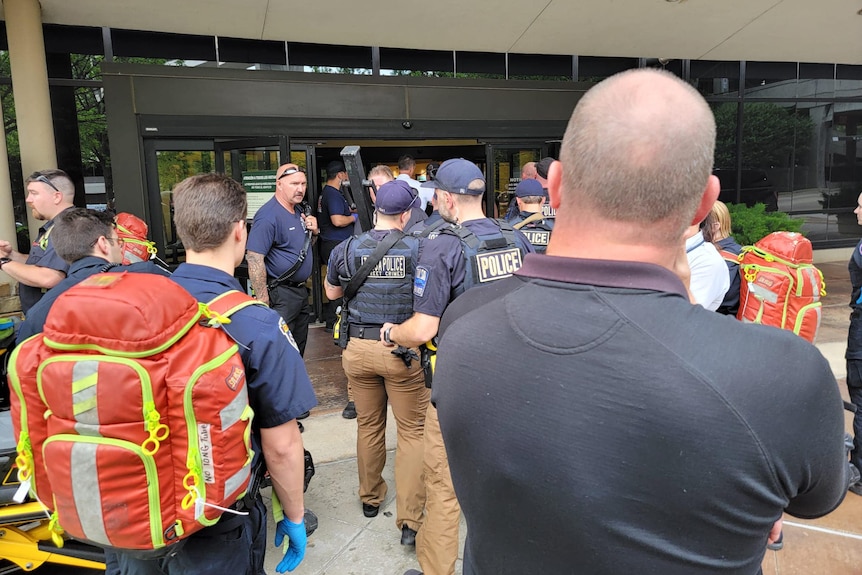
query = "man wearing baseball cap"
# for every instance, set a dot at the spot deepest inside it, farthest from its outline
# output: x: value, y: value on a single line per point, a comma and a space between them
x: 537, y: 227
x: 374, y: 274
x: 473, y: 250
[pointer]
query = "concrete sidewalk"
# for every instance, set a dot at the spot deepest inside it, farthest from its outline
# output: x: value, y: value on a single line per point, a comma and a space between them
x: 348, y: 543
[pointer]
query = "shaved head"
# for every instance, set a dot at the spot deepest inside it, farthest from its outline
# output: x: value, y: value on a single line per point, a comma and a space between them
x: 639, y: 150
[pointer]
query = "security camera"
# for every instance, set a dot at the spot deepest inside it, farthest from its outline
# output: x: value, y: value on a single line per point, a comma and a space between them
x: 406, y: 124
x: 664, y: 61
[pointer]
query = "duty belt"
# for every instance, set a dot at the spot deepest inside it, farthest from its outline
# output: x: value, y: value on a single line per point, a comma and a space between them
x: 272, y: 284
x: 364, y: 331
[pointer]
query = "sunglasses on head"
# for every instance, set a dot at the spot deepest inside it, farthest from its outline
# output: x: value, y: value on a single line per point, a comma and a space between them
x: 37, y: 177
x: 289, y: 172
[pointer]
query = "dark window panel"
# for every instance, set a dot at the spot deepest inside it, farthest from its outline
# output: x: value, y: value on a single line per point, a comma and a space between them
x: 848, y: 72
x: 302, y: 54
x: 251, y: 51
x: 427, y: 60
x: 4, y: 43
x: 134, y: 43
x: 480, y: 63
x: 759, y: 76
x: 816, y: 80
x: 72, y: 39
x: 715, y: 78
x: 714, y: 69
x: 810, y: 71
x: 594, y: 67
x: 539, y: 65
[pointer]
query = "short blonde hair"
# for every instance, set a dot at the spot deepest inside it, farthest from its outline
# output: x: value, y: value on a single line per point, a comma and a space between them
x: 382, y: 170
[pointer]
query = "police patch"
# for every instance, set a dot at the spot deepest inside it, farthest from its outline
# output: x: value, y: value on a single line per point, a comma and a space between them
x: 286, y: 332
x: 537, y: 237
x: 548, y: 211
x: 390, y: 267
x: 497, y: 265
x: 419, y: 281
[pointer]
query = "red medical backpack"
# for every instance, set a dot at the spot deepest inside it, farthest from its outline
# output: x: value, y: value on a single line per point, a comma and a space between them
x: 779, y: 284
x: 131, y: 412
x: 133, y: 231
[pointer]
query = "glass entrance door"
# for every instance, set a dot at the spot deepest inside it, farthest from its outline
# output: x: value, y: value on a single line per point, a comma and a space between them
x: 506, y: 163
x: 167, y: 163
x: 253, y: 163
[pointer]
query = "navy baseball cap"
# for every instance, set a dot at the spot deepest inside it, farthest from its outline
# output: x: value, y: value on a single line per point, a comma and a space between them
x: 543, y: 166
x: 395, y: 197
x: 455, y: 175
x: 529, y: 187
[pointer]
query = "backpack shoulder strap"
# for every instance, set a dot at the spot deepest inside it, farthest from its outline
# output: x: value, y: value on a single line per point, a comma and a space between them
x: 529, y: 220
x: 231, y: 302
x: 729, y: 256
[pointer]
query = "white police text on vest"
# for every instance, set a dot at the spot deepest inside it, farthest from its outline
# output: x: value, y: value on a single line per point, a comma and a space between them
x: 537, y: 237
x: 498, y: 265
x: 390, y: 266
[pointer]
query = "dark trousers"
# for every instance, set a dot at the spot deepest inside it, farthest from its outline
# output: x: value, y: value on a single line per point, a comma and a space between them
x: 854, y: 387
x: 291, y: 303
x: 235, y: 545
x: 329, y: 315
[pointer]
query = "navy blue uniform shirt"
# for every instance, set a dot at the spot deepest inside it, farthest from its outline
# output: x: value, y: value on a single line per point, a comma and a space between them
x: 854, y: 336
x: 442, y: 268
x: 78, y: 272
x: 279, y: 236
x: 42, y: 254
x: 278, y: 386
x: 332, y: 202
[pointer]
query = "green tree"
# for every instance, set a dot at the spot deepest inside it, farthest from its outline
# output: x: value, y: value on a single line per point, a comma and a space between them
x: 771, y: 134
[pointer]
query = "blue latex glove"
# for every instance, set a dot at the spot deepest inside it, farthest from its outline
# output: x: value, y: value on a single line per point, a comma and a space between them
x: 296, y: 547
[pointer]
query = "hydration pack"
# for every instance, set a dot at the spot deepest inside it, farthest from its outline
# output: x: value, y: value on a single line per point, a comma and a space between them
x: 131, y: 412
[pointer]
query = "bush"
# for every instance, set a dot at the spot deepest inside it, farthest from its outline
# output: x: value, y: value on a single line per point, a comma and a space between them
x: 750, y: 224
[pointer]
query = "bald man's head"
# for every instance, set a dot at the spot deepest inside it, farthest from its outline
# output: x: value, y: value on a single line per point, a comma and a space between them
x: 639, y: 149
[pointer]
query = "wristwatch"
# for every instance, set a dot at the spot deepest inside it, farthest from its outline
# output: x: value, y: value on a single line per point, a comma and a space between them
x: 4, y: 261
x: 385, y: 332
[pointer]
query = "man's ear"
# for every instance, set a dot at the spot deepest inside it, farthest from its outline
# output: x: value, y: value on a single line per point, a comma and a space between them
x: 239, y: 230
x: 102, y: 248
x: 710, y: 194
x: 555, y: 180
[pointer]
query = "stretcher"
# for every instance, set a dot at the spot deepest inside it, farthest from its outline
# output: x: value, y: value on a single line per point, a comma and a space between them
x: 25, y: 536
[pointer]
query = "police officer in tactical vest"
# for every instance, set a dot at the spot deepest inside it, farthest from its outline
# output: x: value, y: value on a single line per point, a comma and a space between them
x: 472, y: 251
x: 374, y: 273
x: 529, y: 196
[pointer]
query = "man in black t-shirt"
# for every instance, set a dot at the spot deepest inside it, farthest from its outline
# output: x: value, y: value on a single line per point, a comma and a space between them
x: 591, y: 417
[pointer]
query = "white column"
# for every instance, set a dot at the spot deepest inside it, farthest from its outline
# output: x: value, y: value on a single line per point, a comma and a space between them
x: 30, y: 88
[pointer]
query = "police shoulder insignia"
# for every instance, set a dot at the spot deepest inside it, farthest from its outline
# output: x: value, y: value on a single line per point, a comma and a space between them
x: 286, y: 332
x: 420, y: 280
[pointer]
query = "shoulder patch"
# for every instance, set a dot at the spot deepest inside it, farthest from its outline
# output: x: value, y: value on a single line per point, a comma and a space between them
x: 282, y: 326
x: 420, y: 280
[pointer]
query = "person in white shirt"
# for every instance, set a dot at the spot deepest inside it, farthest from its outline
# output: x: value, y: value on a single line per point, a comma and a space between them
x: 709, y: 278
x: 406, y: 169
